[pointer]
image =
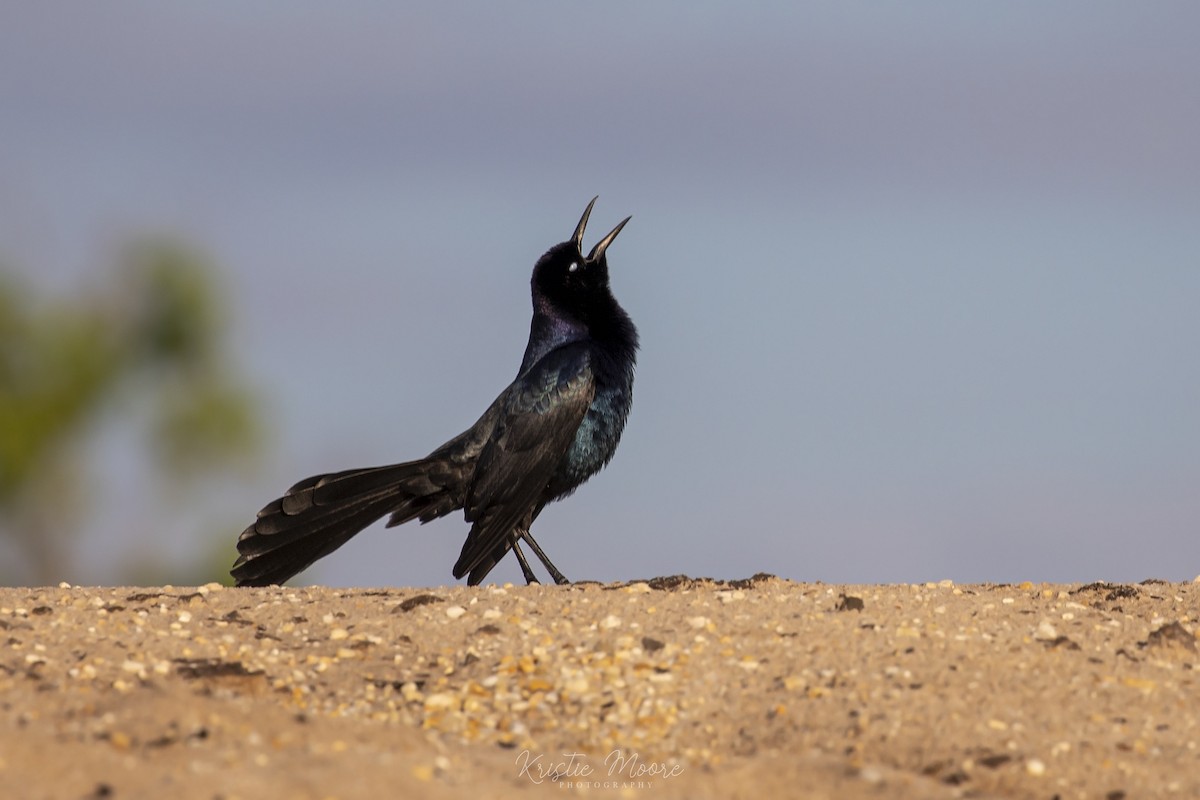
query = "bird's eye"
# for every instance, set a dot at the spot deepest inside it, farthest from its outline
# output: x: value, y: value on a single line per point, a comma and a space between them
x: 573, y: 267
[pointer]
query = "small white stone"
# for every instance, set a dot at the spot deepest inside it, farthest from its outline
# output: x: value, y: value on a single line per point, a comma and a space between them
x: 440, y: 701
x: 1035, y: 767
x: 871, y: 774
x: 610, y: 622
x: 454, y: 612
x: 1045, y: 631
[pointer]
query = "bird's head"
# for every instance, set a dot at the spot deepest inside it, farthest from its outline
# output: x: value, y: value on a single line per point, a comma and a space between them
x: 567, y: 281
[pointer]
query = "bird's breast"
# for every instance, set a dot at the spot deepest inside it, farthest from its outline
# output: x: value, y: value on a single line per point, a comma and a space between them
x: 595, y: 440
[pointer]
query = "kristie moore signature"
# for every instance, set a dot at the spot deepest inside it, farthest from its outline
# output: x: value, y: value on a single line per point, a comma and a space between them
x: 575, y: 770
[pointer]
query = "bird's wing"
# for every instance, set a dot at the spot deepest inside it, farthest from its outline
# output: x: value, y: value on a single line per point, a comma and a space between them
x: 540, y: 415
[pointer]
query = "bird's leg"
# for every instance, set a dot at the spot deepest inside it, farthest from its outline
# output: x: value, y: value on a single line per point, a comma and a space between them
x: 559, y: 578
x: 530, y: 578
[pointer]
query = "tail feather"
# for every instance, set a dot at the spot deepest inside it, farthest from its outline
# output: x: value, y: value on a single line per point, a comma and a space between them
x: 430, y: 507
x: 353, y: 483
x: 278, y: 530
x: 320, y: 514
x: 281, y: 562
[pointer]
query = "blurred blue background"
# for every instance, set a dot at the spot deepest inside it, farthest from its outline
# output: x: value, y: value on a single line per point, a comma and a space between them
x: 918, y: 284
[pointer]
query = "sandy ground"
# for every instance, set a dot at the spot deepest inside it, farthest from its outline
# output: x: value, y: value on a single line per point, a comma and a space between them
x: 672, y: 688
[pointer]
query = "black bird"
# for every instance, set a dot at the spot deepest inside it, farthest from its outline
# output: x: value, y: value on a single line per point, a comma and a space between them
x: 556, y: 425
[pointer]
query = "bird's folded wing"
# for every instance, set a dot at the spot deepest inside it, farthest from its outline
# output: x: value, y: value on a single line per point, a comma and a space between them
x: 540, y: 416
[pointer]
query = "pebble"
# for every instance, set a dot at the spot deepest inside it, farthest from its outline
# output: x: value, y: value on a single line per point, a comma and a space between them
x: 1045, y: 631
x: 871, y: 774
x: 440, y: 701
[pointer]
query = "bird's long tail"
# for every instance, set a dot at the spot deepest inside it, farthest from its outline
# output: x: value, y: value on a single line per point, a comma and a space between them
x: 320, y: 514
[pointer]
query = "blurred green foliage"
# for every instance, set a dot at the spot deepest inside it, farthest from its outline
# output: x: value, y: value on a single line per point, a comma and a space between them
x: 150, y: 345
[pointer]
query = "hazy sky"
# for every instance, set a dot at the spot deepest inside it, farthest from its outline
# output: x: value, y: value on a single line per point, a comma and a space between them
x: 918, y: 284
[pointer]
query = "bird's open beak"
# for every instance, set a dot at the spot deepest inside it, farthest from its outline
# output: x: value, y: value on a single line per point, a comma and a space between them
x: 602, y: 245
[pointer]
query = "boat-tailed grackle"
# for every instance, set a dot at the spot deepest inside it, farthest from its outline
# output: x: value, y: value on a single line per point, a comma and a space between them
x: 557, y: 424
